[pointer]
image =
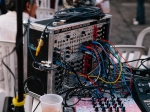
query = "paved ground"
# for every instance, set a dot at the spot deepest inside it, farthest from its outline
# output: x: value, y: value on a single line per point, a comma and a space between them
x: 123, y: 31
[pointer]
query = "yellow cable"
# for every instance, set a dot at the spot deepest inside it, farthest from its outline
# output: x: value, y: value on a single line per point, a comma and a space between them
x: 120, y: 64
x: 109, y: 82
x: 115, y: 80
x: 39, y: 47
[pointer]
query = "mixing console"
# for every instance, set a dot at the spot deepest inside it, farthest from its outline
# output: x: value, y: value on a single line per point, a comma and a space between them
x: 106, y: 105
x: 141, y: 94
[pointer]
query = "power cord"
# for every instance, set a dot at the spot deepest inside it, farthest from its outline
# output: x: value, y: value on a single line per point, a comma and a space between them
x: 79, y: 14
x: 38, y: 80
x: 7, y: 65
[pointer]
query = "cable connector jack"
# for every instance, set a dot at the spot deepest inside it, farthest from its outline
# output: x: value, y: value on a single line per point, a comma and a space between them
x: 61, y: 22
x: 39, y: 47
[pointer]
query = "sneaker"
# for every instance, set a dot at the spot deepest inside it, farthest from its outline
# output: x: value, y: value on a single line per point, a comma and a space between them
x: 135, y: 22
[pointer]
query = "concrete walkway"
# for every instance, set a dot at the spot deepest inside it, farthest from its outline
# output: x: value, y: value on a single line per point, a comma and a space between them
x: 123, y: 31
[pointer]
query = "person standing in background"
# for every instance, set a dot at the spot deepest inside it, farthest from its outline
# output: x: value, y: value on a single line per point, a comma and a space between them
x: 140, y: 13
x: 3, y: 7
x: 8, y: 21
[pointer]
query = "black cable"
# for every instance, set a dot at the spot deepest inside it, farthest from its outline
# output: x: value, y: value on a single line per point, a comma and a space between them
x: 10, y: 69
x: 72, y: 69
x: 60, y: 79
x: 67, y: 96
x: 37, y: 79
x: 19, y: 42
x: 87, y: 88
x: 133, y: 60
x: 79, y: 14
x: 142, y: 64
x: 91, y: 87
x: 36, y: 106
x: 141, y: 79
x: 34, y: 78
x: 34, y: 59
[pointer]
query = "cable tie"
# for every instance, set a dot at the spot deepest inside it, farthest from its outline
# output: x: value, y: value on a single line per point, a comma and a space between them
x: 16, y: 103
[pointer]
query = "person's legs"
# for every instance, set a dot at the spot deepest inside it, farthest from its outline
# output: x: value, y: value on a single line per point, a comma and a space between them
x: 52, y: 4
x: 3, y: 7
x: 140, y: 15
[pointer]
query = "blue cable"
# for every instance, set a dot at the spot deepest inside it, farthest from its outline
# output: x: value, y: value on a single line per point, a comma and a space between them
x: 118, y: 61
x: 127, y: 86
x: 107, y: 57
x: 112, y: 51
x: 74, y: 79
x: 94, y: 42
x: 102, y: 63
x: 112, y: 61
x: 123, y: 77
x: 126, y: 83
x: 113, y: 91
